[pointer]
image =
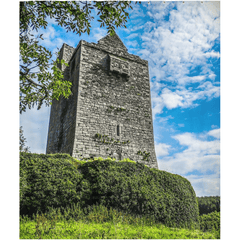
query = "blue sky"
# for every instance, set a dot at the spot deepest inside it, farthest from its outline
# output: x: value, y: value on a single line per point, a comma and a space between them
x: 181, y: 42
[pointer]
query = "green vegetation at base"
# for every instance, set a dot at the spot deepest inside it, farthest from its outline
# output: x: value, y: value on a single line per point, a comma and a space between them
x: 48, y: 181
x: 137, y: 189
x: 99, y: 222
x: 210, y: 222
x: 57, y: 180
x: 208, y: 204
x: 62, y: 197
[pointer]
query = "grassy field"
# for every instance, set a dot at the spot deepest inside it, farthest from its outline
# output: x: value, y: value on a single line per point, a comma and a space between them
x: 101, y: 223
x: 82, y: 230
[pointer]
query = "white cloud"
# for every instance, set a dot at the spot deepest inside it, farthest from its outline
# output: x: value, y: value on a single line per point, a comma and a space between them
x: 176, y: 47
x: 215, y: 133
x: 201, y: 156
x: 133, y: 35
x: 212, y: 54
x: 157, y: 109
x: 171, y: 99
x: 156, y: 86
x: 159, y: 10
x: 99, y: 33
x: 198, y: 155
x: 206, y: 185
x: 162, y: 149
x: 165, y: 119
x: 212, y: 76
x: 51, y: 37
x: 137, y: 12
x: 197, y: 146
x: 132, y: 43
x: 183, y: 97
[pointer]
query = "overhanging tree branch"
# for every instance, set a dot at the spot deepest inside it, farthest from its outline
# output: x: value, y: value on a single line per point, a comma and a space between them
x: 44, y: 86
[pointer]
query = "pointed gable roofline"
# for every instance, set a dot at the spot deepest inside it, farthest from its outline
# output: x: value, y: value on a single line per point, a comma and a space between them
x: 113, y: 41
x: 112, y: 45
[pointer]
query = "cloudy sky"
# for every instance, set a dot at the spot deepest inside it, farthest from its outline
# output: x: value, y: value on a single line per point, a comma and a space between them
x: 181, y: 42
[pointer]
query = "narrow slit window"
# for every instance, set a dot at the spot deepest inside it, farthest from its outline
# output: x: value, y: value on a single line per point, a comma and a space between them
x: 118, y: 130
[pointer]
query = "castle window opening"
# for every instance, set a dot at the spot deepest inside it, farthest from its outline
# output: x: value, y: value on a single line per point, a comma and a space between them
x: 118, y: 130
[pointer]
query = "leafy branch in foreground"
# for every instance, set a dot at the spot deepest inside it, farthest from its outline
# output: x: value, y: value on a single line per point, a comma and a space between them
x: 39, y: 84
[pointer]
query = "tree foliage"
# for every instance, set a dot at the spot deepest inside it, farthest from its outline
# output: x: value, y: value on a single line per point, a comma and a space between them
x: 41, y: 80
x: 208, y: 204
x: 22, y: 141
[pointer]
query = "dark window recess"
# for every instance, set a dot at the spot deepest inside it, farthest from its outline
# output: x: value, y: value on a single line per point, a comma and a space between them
x: 118, y: 130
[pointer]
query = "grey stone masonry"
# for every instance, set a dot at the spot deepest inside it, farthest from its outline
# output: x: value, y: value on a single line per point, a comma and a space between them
x: 109, y: 112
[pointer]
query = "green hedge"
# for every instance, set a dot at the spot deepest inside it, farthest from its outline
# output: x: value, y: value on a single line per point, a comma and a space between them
x: 53, y: 181
x: 49, y: 181
x: 137, y: 189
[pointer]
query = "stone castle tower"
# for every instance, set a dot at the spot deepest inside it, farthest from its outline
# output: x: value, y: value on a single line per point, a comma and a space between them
x: 109, y: 112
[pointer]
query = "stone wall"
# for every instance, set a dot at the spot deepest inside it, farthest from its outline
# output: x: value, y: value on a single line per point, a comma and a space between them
x: 109, y: 113
x: 63, y: 112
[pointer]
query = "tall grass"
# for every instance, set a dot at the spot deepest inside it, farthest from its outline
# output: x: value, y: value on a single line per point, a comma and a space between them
x: 99, y: 222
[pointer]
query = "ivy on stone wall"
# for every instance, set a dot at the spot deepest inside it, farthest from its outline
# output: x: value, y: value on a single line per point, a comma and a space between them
x: 107, y: 140
x: 146, y: 155
x: 116, y: 109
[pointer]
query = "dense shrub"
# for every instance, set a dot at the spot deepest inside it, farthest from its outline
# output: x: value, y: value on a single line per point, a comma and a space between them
x: 49, y: 181
x: 210, y: 222
x: 208, y: 204
x: 137, y: 189
x: 54, y: 181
